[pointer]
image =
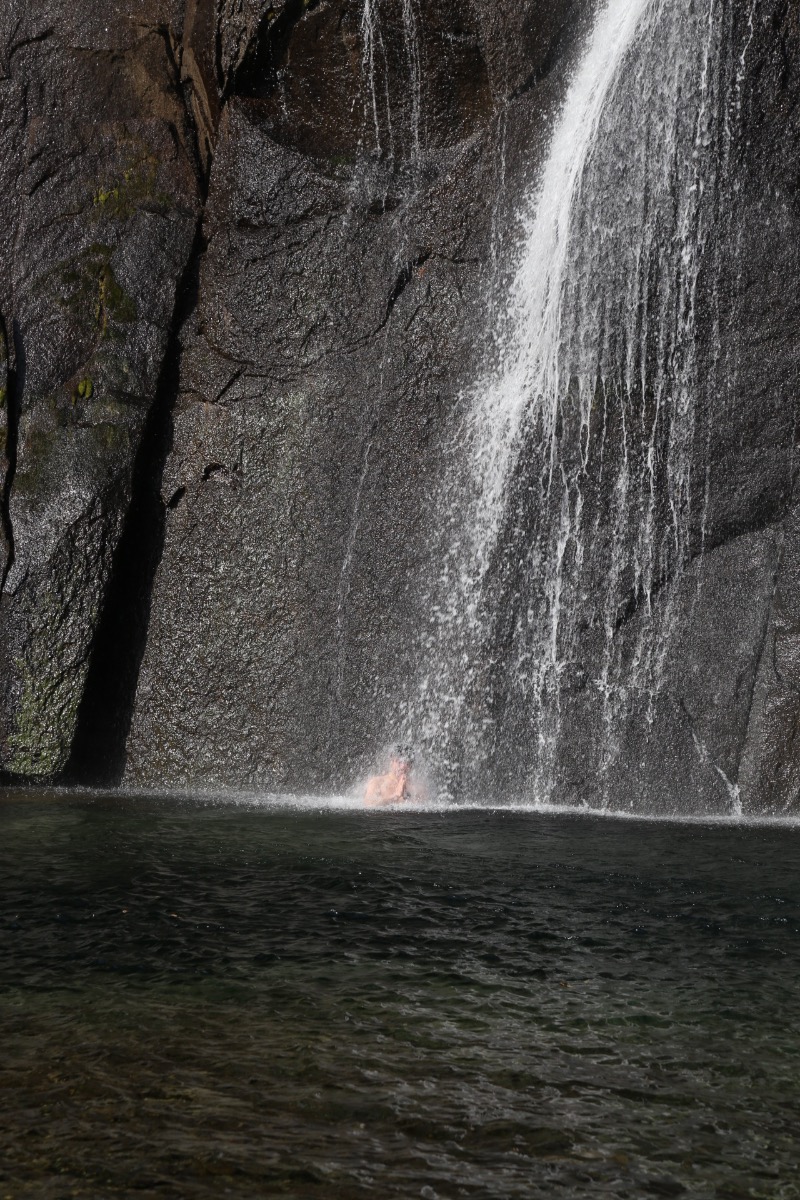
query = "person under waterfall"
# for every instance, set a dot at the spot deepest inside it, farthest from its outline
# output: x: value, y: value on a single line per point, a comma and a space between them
x: 397, y: 785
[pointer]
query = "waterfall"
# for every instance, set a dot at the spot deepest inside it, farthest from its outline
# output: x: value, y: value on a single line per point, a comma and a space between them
x: 574, y: 497
x: 411, y: 43
x: 376, y: 84
x: 373, y: 46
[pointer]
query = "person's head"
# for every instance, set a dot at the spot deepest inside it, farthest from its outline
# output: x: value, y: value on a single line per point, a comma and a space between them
x: 401, y: 759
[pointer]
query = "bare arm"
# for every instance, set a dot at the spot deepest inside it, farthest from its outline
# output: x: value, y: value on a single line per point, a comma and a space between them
x: 384, y: 789
x: 374, y: 793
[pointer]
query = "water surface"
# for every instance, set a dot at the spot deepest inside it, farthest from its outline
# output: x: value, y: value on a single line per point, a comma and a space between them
x: 204, y: 999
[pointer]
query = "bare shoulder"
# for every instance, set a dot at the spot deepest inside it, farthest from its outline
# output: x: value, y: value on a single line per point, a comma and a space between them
x: 373, y: 793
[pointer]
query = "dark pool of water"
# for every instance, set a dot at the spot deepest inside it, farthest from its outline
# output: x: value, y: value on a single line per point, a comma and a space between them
x: 214, y: 1000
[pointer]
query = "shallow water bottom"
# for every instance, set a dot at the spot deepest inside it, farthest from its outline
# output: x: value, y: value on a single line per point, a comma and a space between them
x: 203, y: 999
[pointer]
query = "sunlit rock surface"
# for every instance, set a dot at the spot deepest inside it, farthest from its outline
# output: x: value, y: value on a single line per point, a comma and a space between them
x: 251, y: 256
x: 100, y: 188
x: 341, y: 307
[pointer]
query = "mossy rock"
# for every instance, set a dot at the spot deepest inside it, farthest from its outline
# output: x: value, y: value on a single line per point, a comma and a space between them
x: 33, y: 467
x: 134, y: 189
x: 48, y: 701
x: 86, y: 286
x: 84, y: 389
x: 93, y: 437
x: 109, y: 438
x: 50, y: 668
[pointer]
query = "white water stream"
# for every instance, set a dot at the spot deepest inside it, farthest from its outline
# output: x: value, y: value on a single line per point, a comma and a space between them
x: 574, y: 496
x: 376, y: 84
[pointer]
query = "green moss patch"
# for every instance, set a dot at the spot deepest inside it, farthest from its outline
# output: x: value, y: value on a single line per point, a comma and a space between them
x: 135, y: 188
x: 83, y: 391
x: 86, y: 286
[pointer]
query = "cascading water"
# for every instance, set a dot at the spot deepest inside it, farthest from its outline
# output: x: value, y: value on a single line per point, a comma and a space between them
x: 383, y: 133
x: 373, y: 48
x: 577, y: 490
x: 377, y: 91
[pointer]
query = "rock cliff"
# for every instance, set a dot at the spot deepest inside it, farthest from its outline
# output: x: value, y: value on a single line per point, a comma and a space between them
x: 99, y: 174
x: 250, y: 254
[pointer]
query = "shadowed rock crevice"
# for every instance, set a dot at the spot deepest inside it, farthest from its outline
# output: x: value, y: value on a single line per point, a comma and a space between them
x: 200, y: 71
x: 176, y: 498
x: 404, y: 278
x: 98, y: 746
x: 98, y: 751
x: 257, y: 76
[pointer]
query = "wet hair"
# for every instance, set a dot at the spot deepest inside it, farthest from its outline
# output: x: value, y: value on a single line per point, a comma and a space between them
x: 402, y: 752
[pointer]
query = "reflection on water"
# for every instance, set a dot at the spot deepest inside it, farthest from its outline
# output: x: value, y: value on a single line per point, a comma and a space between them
x: 207, y: 1000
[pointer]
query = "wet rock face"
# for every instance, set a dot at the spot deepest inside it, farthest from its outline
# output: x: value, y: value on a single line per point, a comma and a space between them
x: 336, y: 80
x: 6, y: 451
x: 713, y: 727
x: 340, y: 310
x: 756, y: 455
x: 354, y: 176
x: 99, y: 181
x: 717, y: 732
x: 252, y: 250
x: 734, y: 684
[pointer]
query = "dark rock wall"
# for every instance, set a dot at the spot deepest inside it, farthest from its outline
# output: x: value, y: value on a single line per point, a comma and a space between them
x: 721, y: 733
x: 755, y: 458
x: 341, y: 307
x: 247, y: 280
x: 99, y: 179
x: 730, y: 710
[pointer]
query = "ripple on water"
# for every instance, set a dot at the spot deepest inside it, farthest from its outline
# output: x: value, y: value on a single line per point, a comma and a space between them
x: 215, y: 999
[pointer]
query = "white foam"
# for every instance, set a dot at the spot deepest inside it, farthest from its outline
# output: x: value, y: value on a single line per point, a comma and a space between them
x: 350, y: 803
